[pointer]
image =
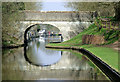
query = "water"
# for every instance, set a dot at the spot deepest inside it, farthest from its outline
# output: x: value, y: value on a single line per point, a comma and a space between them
x: 35, y: 62
x: 37, y: 54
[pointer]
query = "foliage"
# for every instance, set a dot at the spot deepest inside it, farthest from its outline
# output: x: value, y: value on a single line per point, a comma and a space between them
x: 103, y: 8
x: 33, y: 5
x: 10, y: 18
x: 49, y: 27
x: 117, y: 10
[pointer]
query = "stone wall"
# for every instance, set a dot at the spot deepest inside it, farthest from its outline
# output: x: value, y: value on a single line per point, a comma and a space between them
x: 93, y: 39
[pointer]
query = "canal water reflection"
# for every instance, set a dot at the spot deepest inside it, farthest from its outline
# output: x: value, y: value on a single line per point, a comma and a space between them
x: 35, y: 62
x: 37, y: 54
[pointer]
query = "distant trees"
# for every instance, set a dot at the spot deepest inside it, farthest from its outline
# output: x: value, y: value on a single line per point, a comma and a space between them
x: 117, y: 10
x: 82, y: 6
x: 103, y: 8
x: 10, y: 12
x: 10, y: 18
x: 33, y: 5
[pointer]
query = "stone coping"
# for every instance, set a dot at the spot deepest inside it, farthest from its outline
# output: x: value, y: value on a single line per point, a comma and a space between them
x: 33, y: 11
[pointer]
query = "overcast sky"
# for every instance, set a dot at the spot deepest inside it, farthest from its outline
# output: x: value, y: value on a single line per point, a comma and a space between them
x: 54, y: 6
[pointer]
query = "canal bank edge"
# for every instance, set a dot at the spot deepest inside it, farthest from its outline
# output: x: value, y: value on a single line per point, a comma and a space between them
x: 112, y: 74
x: 13, y: 46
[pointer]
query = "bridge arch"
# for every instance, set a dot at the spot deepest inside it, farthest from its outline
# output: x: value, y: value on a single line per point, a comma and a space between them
x: 32, y: 26
x: 69, y: 22
x: 25, y: 33
x: 65, y: 27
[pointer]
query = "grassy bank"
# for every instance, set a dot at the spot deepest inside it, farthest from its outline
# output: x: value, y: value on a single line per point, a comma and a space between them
x: 108, y: 55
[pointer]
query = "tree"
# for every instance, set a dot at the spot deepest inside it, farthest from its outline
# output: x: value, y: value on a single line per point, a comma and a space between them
x: 103, y: 8
x: 10, y: 18
x: 33, y: 5
x: 117, y: 10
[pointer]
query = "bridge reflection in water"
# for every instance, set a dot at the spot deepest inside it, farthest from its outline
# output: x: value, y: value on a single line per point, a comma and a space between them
x: 46, y: 64
x: 37, y: 54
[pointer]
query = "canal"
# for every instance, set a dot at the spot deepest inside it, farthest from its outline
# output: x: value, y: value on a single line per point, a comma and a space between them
x: 35, y: 62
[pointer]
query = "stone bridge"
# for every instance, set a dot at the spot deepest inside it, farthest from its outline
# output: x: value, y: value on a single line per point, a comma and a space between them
x: 68, y: 22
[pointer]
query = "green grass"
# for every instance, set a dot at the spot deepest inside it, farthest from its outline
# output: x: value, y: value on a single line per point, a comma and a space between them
x: 108, y: 55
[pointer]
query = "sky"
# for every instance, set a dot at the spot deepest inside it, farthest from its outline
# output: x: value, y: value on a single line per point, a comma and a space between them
x: 54, y: 6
